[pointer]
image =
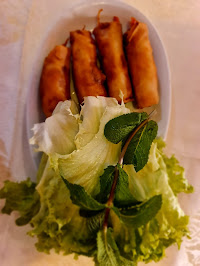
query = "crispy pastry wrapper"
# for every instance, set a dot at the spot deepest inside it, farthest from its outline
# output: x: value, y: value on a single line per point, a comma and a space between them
x: 88, y: 78
x: 141, y: 64
x: 55, y: 78
x: 109, y: 41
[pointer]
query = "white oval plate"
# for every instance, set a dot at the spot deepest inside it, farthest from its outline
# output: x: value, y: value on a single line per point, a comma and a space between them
x: 54, y: 29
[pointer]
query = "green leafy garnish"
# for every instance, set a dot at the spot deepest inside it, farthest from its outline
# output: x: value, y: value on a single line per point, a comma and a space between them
x: 123, y: 196
x: 21, y: 197
x: 106, y: 181
x: 119, y: 128
x: 126, y: 214
x: 176, y: 173
x: 95, y: 222
x: 141, y: 214
x: 138, y: 150
x: 81, y: 198
x: 108, y: 253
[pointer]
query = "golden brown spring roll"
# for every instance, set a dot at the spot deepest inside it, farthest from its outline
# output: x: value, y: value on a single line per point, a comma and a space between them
x: 141, y: 64
x: 88, y: 78
x: 109, y: 41
x: 55, y: 79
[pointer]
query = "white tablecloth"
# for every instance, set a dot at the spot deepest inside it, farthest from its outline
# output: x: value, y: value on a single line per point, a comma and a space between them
x: 178, y: 23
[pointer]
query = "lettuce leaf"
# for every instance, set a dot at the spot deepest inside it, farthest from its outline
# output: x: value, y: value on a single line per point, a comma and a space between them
x: 85, y: 165
x: 21, y: 197
x: 79, y: 151
x: 57, y: 133
x: 170, y: 224
x: 176, y: 172
x: 58, y: 224
x: 90, y: 117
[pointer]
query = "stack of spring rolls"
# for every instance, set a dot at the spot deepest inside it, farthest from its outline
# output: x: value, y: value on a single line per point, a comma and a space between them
x: 128, y: 67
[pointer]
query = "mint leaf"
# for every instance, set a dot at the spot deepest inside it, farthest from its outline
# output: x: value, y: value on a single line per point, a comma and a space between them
x: 137, y: 152
x: 141, y: 214
x: 123, y: 196
x: 106, y: 181
x: 81, y: 198
x: 118, y: 128
x: 95, y: 223
x: 107, y: 251
x: 21, y: 197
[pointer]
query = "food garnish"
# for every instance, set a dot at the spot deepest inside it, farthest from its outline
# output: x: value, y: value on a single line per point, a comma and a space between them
x: 89, y: 201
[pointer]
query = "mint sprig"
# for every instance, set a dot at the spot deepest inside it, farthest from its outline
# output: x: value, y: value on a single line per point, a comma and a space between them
x: 108, y: 252
x: 137, y: 134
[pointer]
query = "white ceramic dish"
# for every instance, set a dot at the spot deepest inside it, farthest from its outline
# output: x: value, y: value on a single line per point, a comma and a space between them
x: 75, y: 17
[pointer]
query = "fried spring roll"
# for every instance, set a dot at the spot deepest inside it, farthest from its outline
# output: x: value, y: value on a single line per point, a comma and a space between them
x: 55, y: 78
x: 141, y: 64
x: 88, y: 78
x: 109, y: 41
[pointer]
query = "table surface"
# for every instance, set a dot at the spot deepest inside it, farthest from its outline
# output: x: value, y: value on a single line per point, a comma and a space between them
x: 178, y: 23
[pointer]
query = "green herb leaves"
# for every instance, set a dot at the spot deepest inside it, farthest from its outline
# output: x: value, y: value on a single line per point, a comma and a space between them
x: 107, y: 251
x: 136, y: 134
x: 106, y: 181
x: 137, y: 152
x: 81, y: 198
x: 129, y: 211
x: 118, y: 128
x: 112, y: 227
x: 140, y: 214
x: 123, y: 196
